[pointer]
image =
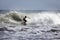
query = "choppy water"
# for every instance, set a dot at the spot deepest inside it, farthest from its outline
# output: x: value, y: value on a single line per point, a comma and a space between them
x: 40, y: 26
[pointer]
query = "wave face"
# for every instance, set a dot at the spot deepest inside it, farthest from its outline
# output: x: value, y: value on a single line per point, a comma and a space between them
x: 41, y: 17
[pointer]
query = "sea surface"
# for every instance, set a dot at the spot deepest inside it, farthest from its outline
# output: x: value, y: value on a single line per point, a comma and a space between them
x: 41, y: 25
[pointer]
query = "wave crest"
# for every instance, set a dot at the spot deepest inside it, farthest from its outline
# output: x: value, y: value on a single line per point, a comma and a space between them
x: 43, y: 17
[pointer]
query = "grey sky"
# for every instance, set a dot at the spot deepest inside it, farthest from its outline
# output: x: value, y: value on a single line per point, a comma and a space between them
x: 30, y: 4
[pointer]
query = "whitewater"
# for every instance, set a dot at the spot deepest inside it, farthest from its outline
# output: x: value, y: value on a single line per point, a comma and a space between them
x: 43, y: 25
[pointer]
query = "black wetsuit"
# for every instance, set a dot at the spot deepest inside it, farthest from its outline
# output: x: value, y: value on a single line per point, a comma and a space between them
x: 24, y: 19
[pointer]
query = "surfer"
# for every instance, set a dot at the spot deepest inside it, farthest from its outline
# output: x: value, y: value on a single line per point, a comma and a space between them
x: 24, y: 19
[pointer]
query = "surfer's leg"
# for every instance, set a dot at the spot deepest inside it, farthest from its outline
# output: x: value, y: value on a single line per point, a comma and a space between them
x: 24, y: 23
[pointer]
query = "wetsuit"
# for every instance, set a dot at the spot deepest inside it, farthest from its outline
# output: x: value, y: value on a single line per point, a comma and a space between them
x: 24, y: 19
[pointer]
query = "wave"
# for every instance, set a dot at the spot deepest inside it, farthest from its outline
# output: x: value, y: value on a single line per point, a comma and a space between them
x: 41, y: 17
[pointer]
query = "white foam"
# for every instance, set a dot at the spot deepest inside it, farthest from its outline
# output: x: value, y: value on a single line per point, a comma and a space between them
x: 36, y: 17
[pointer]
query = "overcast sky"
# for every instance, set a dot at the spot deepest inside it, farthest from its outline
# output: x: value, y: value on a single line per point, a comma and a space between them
x: 30, y: 4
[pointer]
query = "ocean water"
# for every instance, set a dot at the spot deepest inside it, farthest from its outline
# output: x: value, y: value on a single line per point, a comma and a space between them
x: 41, y: 25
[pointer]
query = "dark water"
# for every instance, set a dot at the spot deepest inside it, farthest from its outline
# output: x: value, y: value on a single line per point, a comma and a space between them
x: 29, y: 11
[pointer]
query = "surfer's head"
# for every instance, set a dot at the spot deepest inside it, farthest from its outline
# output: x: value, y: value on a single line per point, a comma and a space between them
x: 25, y: 16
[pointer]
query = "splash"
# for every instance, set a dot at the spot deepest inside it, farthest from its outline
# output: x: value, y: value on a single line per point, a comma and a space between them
x: 44, y: 17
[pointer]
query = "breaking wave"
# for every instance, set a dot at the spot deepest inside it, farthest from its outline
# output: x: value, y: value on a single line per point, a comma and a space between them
x: 41, y: 17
